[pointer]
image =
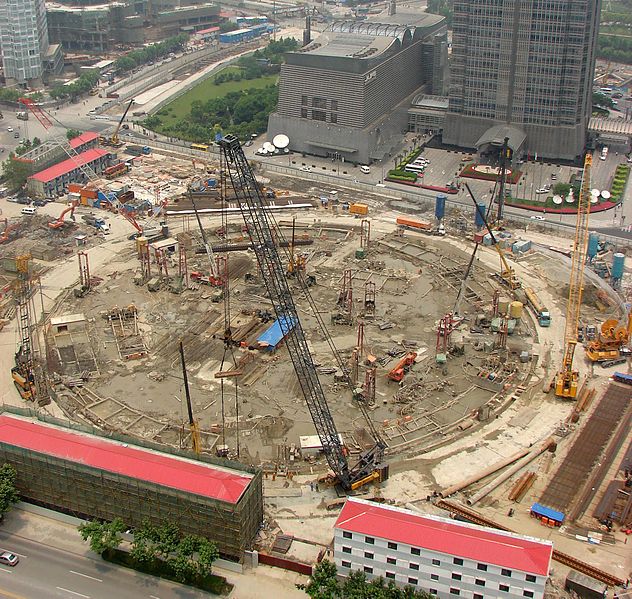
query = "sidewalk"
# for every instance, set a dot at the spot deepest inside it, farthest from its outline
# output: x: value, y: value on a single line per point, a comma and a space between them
x: 59, y: 531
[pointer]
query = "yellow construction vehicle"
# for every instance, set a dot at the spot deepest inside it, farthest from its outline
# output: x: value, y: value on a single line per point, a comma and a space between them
x: 613, y: 335
x: 196, y: 440
x: 567, y: 379
x: 24, y: 385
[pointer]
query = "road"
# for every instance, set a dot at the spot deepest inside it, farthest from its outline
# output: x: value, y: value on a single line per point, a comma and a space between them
x: 46, y: 571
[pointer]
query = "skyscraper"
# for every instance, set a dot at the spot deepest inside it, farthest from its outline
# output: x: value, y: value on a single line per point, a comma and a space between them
x: 24, y: 41
x: 522, y: 69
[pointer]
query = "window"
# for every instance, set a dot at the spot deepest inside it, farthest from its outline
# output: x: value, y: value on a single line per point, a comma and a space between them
x: 454, y: 591
x: 458, y: 561
x: 334, y: 104
x: 319, y: 115
x: 477, y: 596
x: 527, y: 593
x: 434, y: 577
x: 303, y: 113
x: 304, y: 100
x: 392, y: 545
x: 334, y: 117
x: 436, y: 562
x: 368, y: 555
x: 432, y: 591
x: 368, y: 569
x: 346, y: 549
x: 505, y: 572
x: 319, y: 103
x: 503, y: 587
x: 369, y: 540
x: 391, y: 560
x: 414, y: 566
x: 412, y: 581
x: 456, y: 576
x: 346, y: 534
x: 482, y: 567
x: 480, y: 582
x: 390, y: 575
x: 415, y: 551
x: 530, y: 578
x: 346, y: 564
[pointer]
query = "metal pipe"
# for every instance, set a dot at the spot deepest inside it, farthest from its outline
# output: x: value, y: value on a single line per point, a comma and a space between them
x: 484, y: 473
x: 534, y: 453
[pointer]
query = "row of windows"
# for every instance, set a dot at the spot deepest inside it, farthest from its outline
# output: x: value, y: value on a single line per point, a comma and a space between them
x: 319, y: 103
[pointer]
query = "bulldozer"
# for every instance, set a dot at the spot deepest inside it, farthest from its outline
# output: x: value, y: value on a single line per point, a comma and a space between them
x: 613, y: 335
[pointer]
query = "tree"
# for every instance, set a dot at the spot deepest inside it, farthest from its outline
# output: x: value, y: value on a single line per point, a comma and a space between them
x: 8, y: 493
x: 561, y: 189
x: 72, y: 133
x: 323, y: 583
x: 16, y: 172
x: 103, y: 536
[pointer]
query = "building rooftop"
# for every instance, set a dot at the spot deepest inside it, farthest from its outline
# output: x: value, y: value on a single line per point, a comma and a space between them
x: 84, y: 138
x: 468, y: 541
x: 410, y: 19
x: 199, y: 478
x: 427, y: 101
x: 67, y: 166
x: 347, y: 45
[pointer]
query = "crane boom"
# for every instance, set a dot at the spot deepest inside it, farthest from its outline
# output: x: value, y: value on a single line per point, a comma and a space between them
x: 114, y: 139
x: 567, y: 379
x: 272, y: 270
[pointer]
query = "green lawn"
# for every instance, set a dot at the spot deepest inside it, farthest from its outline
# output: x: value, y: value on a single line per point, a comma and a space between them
x: 180, y: 107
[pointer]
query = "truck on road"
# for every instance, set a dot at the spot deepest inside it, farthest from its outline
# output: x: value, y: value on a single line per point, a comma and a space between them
x: 539, y: 309
x: 98, y: 223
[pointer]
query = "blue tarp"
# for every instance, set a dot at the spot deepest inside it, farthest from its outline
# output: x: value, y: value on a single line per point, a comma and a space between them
x: 547, y: 512
x: 272, y: 336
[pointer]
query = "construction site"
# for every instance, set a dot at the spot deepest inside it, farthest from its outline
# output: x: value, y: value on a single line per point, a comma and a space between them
x: 415, y: 354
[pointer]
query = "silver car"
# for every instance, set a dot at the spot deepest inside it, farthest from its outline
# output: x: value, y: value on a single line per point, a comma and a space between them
x: 9, y: 559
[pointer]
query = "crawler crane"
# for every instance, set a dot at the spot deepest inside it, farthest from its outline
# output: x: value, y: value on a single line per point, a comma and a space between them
x: 273, y: 272
x: 567, y: 379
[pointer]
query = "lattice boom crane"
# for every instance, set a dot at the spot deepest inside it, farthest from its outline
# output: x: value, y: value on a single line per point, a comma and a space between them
x: 273, y: 271
x: 566, y: 382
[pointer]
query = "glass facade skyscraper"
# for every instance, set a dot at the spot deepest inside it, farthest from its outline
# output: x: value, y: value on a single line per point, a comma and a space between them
x: 524, y: 63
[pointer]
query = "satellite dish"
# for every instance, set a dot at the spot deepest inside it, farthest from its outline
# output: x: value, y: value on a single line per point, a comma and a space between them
x: 570, y: 199
x: 268, y: 147
x: 557, y: 200
x: 594, y: 199
x: 594, y: 192
x: 605, y: 195
x: 281, y: 141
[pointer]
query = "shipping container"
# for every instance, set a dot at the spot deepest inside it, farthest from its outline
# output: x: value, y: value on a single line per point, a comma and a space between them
x: 362, y: 209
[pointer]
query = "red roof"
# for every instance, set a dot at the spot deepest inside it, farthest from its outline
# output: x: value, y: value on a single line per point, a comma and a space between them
x: 467, y: 541
x: 69, y: 165
x: 209, y: 30
x: 198, y: 478
x: 84, y: 138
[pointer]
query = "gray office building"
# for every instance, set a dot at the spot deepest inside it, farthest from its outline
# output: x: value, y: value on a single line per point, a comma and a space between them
x: 522, y: 70
x: 346, y: 94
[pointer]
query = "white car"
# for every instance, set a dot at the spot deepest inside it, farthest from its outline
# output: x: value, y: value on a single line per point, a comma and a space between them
x: 10, y: 129
x: 542, y: 190
x: 306, y: 169
x: 9, y: 559
x: 365, y: 169
x: 537, y: 217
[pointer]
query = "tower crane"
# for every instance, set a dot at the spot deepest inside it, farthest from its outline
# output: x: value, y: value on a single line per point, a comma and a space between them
x: 567, y: 379
x: 273, y: 272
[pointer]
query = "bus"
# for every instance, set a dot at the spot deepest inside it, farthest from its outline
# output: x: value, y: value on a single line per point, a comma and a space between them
x: 414, y: 168
x: 201, y: 147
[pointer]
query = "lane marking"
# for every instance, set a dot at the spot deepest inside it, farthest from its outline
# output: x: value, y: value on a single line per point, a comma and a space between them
x: 6, y: 571
x: 153, y: 597
x: 9, y: 595
x: 73, y: 592
x: 85, y: 575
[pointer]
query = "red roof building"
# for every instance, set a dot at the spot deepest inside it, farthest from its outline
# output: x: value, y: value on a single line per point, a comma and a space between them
x: 439, y: 554
x: 67, y: 166
x: 83, y: 473
x: 85, y: 138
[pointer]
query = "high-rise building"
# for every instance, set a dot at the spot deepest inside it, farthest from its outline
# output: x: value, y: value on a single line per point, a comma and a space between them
x: 523, y: 70
x: 26, y: 53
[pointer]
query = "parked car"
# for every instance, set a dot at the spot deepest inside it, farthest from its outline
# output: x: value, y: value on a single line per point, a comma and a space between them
x: 365, y: 169
x: 16, y: 135
x: 39, y: 203
x: 538, y: 217
x: 543, y: 190
x: 8, y: 558
x: 26, y: 201
x: 307, y: 169
x: 10, y: 129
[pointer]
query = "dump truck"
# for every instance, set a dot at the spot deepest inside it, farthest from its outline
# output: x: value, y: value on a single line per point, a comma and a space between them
x: 98, y: 223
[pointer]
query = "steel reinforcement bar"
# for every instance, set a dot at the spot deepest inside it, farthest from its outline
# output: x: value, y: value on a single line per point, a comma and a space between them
x: 558, y: 556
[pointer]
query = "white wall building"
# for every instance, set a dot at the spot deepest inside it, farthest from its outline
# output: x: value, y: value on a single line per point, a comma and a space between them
x: 24, y: 41
x: 442, y: 556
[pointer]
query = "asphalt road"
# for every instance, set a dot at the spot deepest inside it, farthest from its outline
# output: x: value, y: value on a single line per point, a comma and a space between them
x: 49, y: 572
